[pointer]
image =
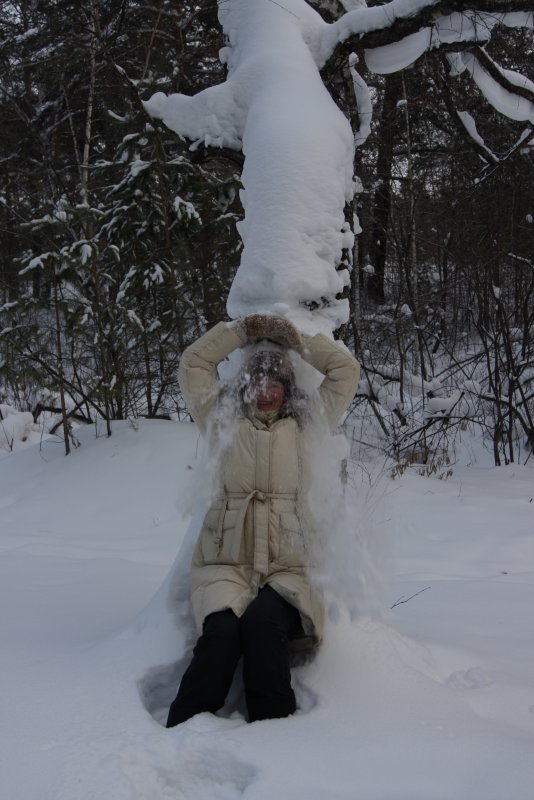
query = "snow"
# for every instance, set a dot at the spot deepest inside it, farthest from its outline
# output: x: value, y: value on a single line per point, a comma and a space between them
x: 432, y: 699
x: 15, y: 426
x: 184, y: 208
x: 470, y: 26
x: 35, y: 263
x: 518, y: 19
x: 397, y: 56
x: 511, y: 105
x: 86, y: 252
x: 446, y: 29
x: 444, y: 405
x: 298, y: 146
x: 363, y: 20
x: 471, y: 127
x: 26, y: 35
x: 364, y: 105
x: 211, y: 116
x: 132, y: 316
x: 138, y: 166
x: 517, y: 79
x: 298, y: 150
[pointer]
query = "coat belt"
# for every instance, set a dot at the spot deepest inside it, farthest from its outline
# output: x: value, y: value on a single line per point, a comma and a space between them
x: 261, y: 555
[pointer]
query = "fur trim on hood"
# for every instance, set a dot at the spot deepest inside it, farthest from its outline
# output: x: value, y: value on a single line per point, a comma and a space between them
x: 270, y: 326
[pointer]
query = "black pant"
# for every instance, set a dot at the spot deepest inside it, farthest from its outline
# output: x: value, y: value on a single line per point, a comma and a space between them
x: 261, y: 635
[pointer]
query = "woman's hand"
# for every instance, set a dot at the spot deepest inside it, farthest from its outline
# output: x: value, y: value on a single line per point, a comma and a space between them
x: 269, y: 326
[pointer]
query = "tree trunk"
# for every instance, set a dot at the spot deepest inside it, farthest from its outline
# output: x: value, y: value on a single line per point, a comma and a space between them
x: 382, y: 199
x: 61, y: 385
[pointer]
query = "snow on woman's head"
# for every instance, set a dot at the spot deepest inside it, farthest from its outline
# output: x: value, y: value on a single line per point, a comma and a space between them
x: 273, y: 364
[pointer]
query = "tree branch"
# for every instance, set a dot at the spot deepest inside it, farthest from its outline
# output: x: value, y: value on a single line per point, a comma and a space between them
x: 499, y: 76
x: 403, y: 599
x: 378, y: 26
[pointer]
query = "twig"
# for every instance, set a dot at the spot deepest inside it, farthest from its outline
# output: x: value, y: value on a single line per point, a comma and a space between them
x: 402, y: 598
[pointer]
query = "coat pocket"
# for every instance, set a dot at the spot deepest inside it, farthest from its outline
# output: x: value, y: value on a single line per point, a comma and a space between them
x: 220, y: 542
x: 232, y: 550
x: 293, y: 550
x: 211, y: 535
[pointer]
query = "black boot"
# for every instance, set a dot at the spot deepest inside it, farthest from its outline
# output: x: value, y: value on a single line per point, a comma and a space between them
x: 208, y: 678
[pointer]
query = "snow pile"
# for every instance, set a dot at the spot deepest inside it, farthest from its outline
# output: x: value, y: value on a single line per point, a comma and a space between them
x: 351, y: 553
x: 15, y: 426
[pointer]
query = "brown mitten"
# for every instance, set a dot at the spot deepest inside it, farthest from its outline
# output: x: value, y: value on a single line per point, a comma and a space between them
x: 269, y: 326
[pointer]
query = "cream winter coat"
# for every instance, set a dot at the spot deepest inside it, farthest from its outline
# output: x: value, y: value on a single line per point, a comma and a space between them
x: 258, y: 529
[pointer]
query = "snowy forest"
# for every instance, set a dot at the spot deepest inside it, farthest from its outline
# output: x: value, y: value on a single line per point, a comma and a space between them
x: 342, y: 169
x: 121, y: 226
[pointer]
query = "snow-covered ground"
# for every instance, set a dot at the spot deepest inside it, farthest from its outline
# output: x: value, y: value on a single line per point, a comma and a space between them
x: 433, y: 701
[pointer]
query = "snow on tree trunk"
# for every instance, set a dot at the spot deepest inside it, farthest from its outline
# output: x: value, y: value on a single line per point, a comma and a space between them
x: 299, y: 151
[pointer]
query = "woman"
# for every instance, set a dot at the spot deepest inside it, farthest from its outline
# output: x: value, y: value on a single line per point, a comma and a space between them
x: 250, y: 590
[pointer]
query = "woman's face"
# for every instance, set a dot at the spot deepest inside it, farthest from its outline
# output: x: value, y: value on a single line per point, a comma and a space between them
x: 266, y: 393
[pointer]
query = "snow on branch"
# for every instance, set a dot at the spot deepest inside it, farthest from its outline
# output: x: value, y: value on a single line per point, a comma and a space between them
x: 470, y: 127
x: 397, y: 33
x: 210, y: 117
x: 505, y: 102
x: 364, y: 103
x: 508, y: 92
x: 467, y: 126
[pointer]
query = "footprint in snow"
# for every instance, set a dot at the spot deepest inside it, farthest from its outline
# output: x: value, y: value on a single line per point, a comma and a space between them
x: 196, y: 771
x: 470, y: 678
x: 212, y: 773
x: 158, y: 687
